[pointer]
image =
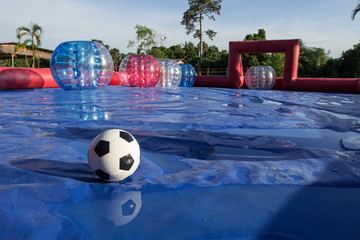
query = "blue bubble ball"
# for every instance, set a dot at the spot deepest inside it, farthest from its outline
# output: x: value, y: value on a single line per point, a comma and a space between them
x: 78, y: 65
x: 188, y: 75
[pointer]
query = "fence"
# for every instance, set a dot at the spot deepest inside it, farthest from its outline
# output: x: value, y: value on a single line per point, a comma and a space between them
x: 213, y: 72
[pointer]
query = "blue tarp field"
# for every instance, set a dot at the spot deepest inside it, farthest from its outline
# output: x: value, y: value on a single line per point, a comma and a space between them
x: 215, y: 164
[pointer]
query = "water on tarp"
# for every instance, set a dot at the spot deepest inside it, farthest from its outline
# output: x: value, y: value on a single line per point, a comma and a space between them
x: 215, y: 164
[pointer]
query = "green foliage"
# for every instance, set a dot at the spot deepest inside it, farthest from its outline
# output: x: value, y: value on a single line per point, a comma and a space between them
x: 261, y: 35
x: 350, y: 63
x: 5, y: 62
x: 159, y: 52
x: 188, y: 51
x: 191, y: 53
x: 44, y: 63
x: 18, y: 62
x: 22, y: 46
x: 145, y: 39
x: 331, y: 68
x: 277, y: 61
x: 356, y: 10
x: 32, y: 35
x: 213, y: 58
x: 312, y: 60
x: 176, y: 52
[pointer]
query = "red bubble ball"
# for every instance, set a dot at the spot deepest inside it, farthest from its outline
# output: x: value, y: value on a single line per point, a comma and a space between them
x: 139, y: 70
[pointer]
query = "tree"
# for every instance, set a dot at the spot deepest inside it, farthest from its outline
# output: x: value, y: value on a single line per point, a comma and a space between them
x: 356, y: 10
x: 32, y: 35
x: 159, y: 52
x: 195, y: 15
x: 211, y: 57
x: 331, y: 68
x: 312, y: 61
x: 22, y: 46
x: 145, y: 39
x: 350, y: 63
x: 189, y: 51
x: 176, y: 52
x: 277, y: 61
x: 261, y: 35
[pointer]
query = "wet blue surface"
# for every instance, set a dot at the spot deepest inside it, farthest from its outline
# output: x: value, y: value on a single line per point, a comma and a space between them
x: 215, y: 164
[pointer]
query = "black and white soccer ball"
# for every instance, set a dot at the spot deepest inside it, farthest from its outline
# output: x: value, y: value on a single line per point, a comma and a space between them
x: 114, y: 155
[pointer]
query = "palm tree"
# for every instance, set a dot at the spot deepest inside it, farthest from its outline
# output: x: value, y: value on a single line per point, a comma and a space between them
x: 356, y: 10
x: 33, y: 34
x: 22, y: 46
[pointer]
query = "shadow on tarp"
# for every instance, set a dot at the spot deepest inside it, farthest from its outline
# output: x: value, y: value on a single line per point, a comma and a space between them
x: 76, y: 171
x: 205, y: 145
x: 258, y: 212
x: 246, y: 211
x: 319, y: 211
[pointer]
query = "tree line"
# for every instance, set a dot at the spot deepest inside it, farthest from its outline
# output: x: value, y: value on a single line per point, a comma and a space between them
x: 313, y: 61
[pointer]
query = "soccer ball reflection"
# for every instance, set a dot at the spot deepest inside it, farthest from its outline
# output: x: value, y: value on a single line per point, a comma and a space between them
x: 124, y: 208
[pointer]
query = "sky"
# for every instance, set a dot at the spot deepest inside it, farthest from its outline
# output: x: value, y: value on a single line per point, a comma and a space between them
x: 318, y: 23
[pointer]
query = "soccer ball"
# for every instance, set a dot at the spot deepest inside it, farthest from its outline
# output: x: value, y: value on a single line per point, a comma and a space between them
x: 114, y: 155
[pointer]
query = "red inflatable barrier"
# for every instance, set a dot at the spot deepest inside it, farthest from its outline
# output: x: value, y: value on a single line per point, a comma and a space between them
x: 290, y: 80
x: 24, y: 78
x: 115, y: 80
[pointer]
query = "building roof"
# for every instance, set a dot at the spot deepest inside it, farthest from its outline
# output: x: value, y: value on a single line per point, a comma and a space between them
x: 7, y: 50
x: 180, y: 61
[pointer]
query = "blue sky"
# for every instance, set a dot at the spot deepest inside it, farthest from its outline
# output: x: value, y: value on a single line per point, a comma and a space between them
x: 319, y: 23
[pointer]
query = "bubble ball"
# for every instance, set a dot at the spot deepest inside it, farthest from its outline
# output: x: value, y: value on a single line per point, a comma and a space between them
x: 170, y: 73
x: 260, y: 77
x: 78, y: 65
x: 114, y: 155
x: 139, y: 70
x: 188, y: 75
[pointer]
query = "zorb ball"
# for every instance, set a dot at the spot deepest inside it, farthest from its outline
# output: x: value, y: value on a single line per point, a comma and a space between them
x: 188, y: 75
x: 170, y: 73
x: 114, y: 155
x: 139, y: 70
x: 260, y: 77
x: 81, y: 65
